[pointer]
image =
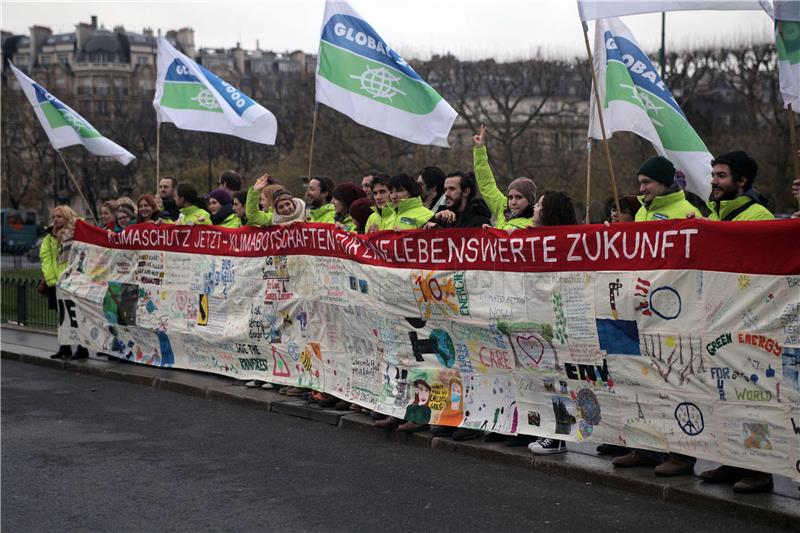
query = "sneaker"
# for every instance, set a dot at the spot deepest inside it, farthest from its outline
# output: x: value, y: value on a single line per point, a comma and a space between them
x: 753, y: 482
x: 547, y: 446
x: 252, y: 384
x: 269, y: 386
x: 295, y: 391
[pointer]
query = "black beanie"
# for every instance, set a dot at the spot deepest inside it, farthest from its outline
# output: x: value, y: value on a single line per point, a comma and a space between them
x: 659, y: 169
x: 741, y: 164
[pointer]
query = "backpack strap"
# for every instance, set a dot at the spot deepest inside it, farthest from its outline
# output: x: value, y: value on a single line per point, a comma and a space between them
x: 738, y: 211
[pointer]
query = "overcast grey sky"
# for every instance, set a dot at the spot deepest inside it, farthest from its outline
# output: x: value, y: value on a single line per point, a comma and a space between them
x: 504, y: 29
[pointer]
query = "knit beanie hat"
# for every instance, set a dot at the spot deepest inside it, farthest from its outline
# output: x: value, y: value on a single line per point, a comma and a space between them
x: 348, y: 193
x: 221, y: 195
x: 360, y: 210
x: 280, y: 193
x: 526, y: 187
x: 740, y: 163
x: 659, y: 169
x: 128, y: 209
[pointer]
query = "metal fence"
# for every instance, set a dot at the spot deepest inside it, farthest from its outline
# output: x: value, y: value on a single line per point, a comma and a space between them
x: 22, y: 304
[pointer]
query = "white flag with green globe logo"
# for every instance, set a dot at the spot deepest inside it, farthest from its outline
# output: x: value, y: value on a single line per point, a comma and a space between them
x: 65, y: 127
x: 787, y: 40
x: 635, y: 99
x: 358, y: 74
x: 194, y: 98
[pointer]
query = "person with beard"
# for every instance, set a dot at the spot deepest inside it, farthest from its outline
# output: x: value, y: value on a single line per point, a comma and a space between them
x: 463, y: 209
x: 220, y: 205
x: 661, y: 198
x: 733, y: 197
x: 513, y: 210
x: 318, y: 200
x: 167, y: 188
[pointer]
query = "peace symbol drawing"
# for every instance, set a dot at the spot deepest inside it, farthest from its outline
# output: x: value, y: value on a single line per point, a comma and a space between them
x: 690, y: 418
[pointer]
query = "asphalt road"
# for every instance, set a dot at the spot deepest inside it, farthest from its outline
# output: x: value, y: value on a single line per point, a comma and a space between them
x: 81, y: 453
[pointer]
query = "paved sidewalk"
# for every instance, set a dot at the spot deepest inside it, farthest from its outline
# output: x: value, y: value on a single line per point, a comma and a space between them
x: 780, y: 507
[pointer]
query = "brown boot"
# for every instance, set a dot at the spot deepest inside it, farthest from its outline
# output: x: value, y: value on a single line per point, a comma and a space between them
x: 390, y: 422
x: 296, y: 391
x: 634, y: 458
x: 674, y: 467
x: 753, y: 482
x: 723, y: 474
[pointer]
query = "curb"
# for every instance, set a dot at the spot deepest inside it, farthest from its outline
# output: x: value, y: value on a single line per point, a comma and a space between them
x: 778, y: 510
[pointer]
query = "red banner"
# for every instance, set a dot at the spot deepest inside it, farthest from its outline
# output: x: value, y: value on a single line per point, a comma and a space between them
x: 765, y: 247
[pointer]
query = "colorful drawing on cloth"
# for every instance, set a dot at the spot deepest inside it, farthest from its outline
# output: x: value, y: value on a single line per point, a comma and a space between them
x: 618, y: 337
x: 440, y: 294
x: 532, y: 345
x: 790, y: 362
x: 119, y: 304
x: 439, y: 344
x: 572, y: 358
x: 564, y: 411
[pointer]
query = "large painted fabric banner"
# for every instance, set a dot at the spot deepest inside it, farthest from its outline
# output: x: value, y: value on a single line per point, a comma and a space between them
x: 679, y: 335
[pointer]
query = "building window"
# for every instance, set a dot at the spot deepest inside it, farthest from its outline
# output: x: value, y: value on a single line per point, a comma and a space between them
x: 143, y: 60
x: 44, y: 60
x: 63, y: 59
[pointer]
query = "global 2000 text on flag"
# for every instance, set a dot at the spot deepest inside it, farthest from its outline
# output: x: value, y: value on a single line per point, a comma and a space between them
x: 65, y: 127
x: 358, y: 74
x: 636, y: 99
x: 194, y: 98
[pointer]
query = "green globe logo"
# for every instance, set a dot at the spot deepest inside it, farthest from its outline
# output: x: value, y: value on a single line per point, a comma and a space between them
x: 206, y: 100
x: 379, y: 83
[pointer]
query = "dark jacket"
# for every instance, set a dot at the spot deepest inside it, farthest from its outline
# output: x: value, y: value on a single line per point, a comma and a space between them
x: 475, y: 214
x: 171, y: 210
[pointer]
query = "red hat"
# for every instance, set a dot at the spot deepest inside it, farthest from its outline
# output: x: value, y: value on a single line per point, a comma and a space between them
x: 360, y: 210
x: 347, y: 193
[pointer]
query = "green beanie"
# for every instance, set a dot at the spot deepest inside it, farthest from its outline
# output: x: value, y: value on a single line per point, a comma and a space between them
x: 659, y: 169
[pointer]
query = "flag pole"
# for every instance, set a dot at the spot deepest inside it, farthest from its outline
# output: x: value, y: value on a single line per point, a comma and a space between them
x: 599, y: 106
x: 793, y: 139
x: 158, y: 154
x: 588, y: 176
x: 75, y: 182
x: 311, y: 146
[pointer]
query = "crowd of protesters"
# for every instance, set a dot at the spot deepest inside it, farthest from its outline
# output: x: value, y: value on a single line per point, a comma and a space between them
x: 434, y: 199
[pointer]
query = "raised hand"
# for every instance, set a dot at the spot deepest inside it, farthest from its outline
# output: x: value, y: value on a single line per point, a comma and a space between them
x: 262, y: 182
x: 480, y: 139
